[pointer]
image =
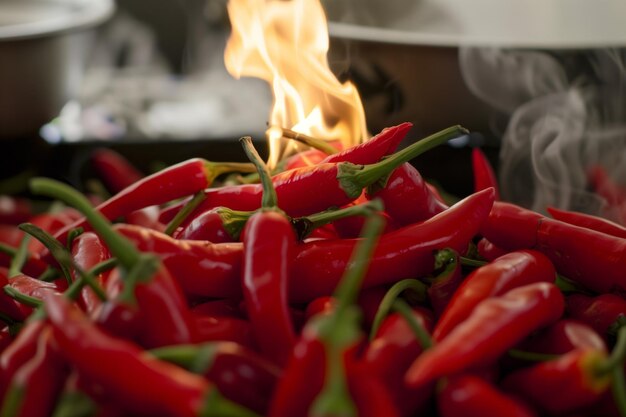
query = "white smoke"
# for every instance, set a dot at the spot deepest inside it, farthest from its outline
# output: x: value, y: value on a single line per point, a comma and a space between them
x: 566, y: 113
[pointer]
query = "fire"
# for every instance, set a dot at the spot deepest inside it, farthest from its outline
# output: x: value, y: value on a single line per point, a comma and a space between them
x: 285, y: 43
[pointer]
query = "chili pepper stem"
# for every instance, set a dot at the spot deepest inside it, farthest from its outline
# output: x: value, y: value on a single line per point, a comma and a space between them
x: 6, y: 319
x: 305, y: 225
x: 215, y: 169
x: 474, y: 263
x: 12, y: 402
x: 319, y: 144
x: 49, y: 275
x: 354, y: 178
x: 7, y: 249
x: 391, y: 296
x: 19, y: 258
x: 334, y: 399
x: 270, y: 198
x: 618, y: 355
x: 420, y: 333
x: 123, y: 250
x: 217, y: 406
x: 73, y: 234
x: 58, y: 251
x: 21, y: 297
x: 196, y: 358
x: 618, y: 387
x: 233, y: 221
x: 184, y: 213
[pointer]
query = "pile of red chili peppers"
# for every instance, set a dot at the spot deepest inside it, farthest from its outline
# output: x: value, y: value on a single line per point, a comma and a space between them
x: 343, y: 285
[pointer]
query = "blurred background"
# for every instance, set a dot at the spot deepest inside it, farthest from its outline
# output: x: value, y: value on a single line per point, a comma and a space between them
x: 541, y: 85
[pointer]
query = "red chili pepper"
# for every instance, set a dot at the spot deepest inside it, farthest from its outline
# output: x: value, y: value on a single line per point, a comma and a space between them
x: 8, y: 305
x: 209, y: 226
x: 606, y: 186
x: 10, y: 235
x: 241, y: 375
x: 146, y: 217
x: 201, y: 268
x: 233, y: 329
x: 6, y: 338
x: 444, y: 286
x: 305, y: 158
x: 319, y: 265
x: 321, y: 305
x: 312, y: 189
x: 88, y: 250
x: 268, y: 247
x: 19, y: 352
x: 489, y: 251
x: 601, y: 312
x: 218, y: 308
x: 138, y: 382
x: 51, y: 223
x: 509, y: 271
x: 37, y: 384
x: 484, y: 175
x: 183, y: 179
x: 391, y: 352
x: 562, y: 337
x: 471, y: 396
x: 494, y: 326
x: 372, y: 397
x: 594, y: 259
x: 351, y: 226
x: 576, y: 374
x: 407, y: 198
x: 14, y: 210
x: 588, y: 221
x: 114, y: 169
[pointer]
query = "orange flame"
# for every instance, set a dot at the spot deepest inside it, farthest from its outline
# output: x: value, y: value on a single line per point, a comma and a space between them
x: 285, y: 42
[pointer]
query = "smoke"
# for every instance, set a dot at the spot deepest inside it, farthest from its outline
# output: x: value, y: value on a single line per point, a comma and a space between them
x: 566, y: 114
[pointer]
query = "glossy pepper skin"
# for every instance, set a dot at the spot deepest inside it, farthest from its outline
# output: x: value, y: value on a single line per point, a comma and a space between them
x: 201, y: 268
x: 124, y: 374
x: 488, y: 250
x: 407, y: 198
x: 575, y: 375
x: 269, y: 243
x: 8, y: 305
x: 318, y: 265
x: 88, y: 250
x: 509, y: 271
x: 588, y: 221
x: 443, y: 286
x: 389, y: 355
x: 600, y: 312
x: 472, y: 396
x: 593, y: 259
x: 207, y: 226
x: 114, y: 169
x: 484, y: 174
x: 38, y: 383
x: 494, y: 326
x: 562, y: 337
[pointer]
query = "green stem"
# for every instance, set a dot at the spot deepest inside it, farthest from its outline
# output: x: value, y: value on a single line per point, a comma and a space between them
x: 215, y: 169
x: 90, y: 280
x: 6, y: 319
x: 616, y: 359
x: 305, y: 225
x: 270, y: 199
x: 618, y: 387
x: 566, y: 285
x: 420, y: 332
x: 21, y: 297
x: 19, y: 259
x: 217, y: 406
x: 57, y: 250
x: 531, y: 356
x: 319, y: 144
x: 474, y: 263
x: 196, y: 358
x: 391, y: 296
x: 184, y: 212
x: 121, y: 248
x: 49, y: 275
x: 233, y: 221
x: 8, y: 250
x: 75, y: 404
x: 73, y: 234
x: 353, y: 178
x: 103, y: 266
x: 334, y: 399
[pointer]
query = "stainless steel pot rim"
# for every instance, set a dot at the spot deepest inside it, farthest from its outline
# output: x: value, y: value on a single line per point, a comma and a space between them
x: 539, y: 24
x: 76, y: 15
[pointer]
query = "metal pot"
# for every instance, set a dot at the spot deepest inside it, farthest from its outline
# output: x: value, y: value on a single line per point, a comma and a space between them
x: 404, y: 54
x: 43, y: 49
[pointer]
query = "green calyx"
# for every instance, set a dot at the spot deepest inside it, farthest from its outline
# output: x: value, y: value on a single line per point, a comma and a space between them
x: 215, y: 169
x: 233, y: 221
x: 354, y: 178
x: 215, y: 405
x: 195, y: 358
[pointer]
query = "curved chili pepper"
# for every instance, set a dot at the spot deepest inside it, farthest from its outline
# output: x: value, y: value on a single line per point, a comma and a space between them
x: 210, y: 226
x: 601, y: 312
x: 407, y: 198
x: 494, y: 326
x: 372, y: 397
x: 146, y: 217
x: 136, y: 381
x: 14, y: 210
x: 391, y: 352
x: 488, y: 250
x: 268, y: 247
x: 181, y: 180
x: 509, y: 271
x: 471, y: 396
x: 88, y: 250
x: 322, y: 305
x: 406, y: 252
x: 201, y: 268
x: 562, y: 337
x: 233, y: 329
x: 484, y: 175
x: 594, y: 259
x: 312, y: 189
x: 241, y: 375
x: 443, y: 287
x: 588, y: 221
x: 575, y: 373
x: 37, y: 384
x: 114, y: 169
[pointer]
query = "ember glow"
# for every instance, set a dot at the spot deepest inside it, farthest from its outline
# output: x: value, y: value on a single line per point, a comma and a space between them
x: 285, y: 43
